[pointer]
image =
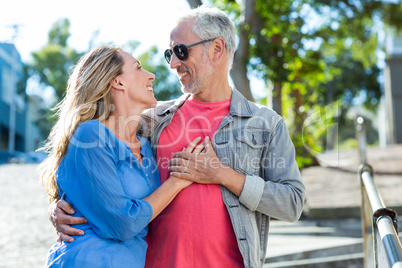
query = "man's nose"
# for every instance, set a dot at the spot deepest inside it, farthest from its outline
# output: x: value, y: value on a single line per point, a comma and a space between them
x: 174, y: 62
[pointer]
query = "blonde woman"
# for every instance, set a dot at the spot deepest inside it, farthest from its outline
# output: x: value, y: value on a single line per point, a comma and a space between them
x: 101, y: 167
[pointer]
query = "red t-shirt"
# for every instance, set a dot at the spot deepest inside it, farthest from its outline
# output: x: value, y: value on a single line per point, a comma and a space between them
x: 195, y: 229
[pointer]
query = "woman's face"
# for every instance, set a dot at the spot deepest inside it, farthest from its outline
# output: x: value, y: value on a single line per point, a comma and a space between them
x: 137, y: 83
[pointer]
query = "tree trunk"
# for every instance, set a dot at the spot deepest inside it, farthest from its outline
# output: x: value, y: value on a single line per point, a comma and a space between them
x: 277, y: 98
x: 242, y: 55
x: 299, y: 116
x: 299, y: 119
x: 194, y: 3
x: 239, y: 69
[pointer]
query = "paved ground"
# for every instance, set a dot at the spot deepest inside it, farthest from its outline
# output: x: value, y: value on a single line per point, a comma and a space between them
x: 333, y: 191
x: 25, y: 232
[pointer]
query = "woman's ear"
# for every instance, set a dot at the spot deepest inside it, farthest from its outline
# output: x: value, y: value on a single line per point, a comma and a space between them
x: 117, y: 84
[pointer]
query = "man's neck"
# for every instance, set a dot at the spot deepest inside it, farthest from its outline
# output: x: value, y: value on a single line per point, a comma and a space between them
x: 214, y: 94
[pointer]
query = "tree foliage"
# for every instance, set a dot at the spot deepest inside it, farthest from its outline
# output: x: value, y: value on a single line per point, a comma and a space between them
x: 316, y: 57
x: 53, y: 64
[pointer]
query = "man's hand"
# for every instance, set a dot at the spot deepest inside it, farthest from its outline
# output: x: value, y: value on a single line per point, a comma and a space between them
x: 203, y: 167
x: 206, y: 168
x: 58, y: 215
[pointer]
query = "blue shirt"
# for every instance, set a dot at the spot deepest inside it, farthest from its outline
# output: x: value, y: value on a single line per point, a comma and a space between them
x: 103, y: 181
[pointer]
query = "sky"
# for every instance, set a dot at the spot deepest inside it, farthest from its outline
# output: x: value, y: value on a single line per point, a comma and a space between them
x: 118, y: 21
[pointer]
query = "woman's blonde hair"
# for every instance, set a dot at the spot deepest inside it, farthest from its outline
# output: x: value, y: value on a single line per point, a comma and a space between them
x: 87, y: 97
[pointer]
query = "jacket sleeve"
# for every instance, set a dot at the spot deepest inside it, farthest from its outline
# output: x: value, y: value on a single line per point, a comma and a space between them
x: 281, y: 193
x: 92, y: 184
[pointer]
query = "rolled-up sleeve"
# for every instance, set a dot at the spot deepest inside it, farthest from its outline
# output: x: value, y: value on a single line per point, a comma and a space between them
x: 252, y: 192
x: 281, y: 193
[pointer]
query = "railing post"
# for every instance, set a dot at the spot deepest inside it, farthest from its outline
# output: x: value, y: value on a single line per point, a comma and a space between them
x: 387, y: 239
x: 381, y: 244
x: 361, y: 138
x: 367, y: 222
x: 366, y: 212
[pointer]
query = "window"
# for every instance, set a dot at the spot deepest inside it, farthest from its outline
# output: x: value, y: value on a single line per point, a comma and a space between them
x: 7, y: 85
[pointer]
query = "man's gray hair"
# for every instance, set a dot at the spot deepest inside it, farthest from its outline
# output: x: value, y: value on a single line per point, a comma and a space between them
x: 212, y: 23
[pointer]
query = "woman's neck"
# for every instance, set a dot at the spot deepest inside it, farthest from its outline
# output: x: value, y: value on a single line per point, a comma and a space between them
x: 124, y: 127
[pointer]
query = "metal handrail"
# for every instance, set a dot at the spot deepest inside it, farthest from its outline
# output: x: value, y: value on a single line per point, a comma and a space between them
x: 382, y: 247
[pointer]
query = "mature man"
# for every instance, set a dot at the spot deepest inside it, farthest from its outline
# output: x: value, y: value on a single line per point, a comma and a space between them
x: 223, y: 220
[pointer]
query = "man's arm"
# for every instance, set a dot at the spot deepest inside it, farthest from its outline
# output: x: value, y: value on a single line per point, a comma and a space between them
x: 59, y: 211
x: 280, y: 195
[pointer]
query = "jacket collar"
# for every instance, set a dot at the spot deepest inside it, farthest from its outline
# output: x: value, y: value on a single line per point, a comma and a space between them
x: 239, y: 105
x: 175, y: 106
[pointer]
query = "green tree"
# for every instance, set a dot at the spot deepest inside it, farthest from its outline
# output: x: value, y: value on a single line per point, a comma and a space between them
x: 52, y: 63
x: 315, y: 56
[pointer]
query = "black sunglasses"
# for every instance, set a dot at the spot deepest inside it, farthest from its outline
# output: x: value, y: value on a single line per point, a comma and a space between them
x: 181, y: 51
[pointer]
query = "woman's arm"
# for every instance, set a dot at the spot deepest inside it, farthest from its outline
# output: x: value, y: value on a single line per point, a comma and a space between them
x: 164, y: 194
x: 58, y: 213
x: 89, y: 178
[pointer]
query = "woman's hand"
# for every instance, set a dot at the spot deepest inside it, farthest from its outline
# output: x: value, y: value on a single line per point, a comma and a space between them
x: 171, y: 187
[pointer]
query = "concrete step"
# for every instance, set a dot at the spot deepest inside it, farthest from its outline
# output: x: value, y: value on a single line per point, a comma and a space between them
x: 324, y: 243
x: 317, y: 247
x: 354, y: 260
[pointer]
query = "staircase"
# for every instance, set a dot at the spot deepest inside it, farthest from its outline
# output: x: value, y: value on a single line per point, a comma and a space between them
x: 315, y: 243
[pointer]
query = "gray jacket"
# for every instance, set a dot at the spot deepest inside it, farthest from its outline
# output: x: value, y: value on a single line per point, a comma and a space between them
x: 253, y: 140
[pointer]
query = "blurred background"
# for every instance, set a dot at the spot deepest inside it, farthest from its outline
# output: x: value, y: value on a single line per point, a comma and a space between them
x: 320, y: 64
x: 317, y: 63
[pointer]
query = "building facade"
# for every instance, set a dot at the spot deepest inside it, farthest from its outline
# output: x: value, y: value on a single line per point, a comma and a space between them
x: 12, y: 105
x: 18, y: 128
x: 393, y: 87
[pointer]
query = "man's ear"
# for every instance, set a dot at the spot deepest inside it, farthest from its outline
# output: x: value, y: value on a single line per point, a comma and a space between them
x: 219, y: 49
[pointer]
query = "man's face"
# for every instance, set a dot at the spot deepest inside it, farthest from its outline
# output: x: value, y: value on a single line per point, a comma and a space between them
x: 195, y: 72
